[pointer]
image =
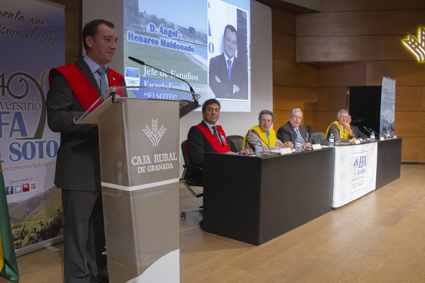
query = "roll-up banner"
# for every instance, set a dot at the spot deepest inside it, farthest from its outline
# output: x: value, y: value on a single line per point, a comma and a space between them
x: 387, y: 120
x: 32, y: 36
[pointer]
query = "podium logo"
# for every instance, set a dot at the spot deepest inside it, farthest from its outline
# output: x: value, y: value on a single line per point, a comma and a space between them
x: 154, y: 135
x: 417, y: 47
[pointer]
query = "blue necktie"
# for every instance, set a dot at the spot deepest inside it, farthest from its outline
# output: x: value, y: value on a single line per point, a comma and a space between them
x: 216, y: 133
x: 229, y: 67
x: 103, y: 85
x: 298, y: 134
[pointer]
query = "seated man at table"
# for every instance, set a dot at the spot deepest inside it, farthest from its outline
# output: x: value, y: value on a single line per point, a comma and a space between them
x: 267, y: 136
x: 292, y: 129
x: 357, y: 133
x: 341, y: 128
x: 207, y: 136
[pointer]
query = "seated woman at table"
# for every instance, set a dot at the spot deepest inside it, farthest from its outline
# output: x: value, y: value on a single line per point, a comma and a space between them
x: 267, y: 136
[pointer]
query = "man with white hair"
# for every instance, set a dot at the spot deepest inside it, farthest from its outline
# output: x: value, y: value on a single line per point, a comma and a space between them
x: 341, y: 128
x: 293, y: 129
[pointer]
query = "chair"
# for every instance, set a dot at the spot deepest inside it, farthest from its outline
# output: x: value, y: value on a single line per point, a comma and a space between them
x: 317, y: 137
x: 235, y: 143
x: 308, y: 128
x: 192, y: 176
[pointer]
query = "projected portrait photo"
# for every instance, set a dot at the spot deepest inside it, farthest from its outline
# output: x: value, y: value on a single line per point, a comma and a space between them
x: 228, y: 53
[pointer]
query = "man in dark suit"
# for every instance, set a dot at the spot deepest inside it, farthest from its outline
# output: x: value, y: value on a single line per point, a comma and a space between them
x: 207, y: 136
x: 228, y: 76
x: 293, y: 128
x: 73, y: 89
x: 357, y: 133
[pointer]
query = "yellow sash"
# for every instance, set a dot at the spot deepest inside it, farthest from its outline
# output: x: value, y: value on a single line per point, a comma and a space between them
x: 263, y: 136
x: 346, y: 134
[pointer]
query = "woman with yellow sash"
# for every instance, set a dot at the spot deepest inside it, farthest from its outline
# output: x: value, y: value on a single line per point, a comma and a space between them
x: 341, y: 128
x: 265, y: 134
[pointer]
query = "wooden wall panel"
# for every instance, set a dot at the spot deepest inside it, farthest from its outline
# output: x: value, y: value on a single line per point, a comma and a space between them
x: 73, y: 29
x: 422, y: 125
x: 352, y: 48
x: 74, y: 5
x: 307, y: 118
x: 283, y: 22
x: 73, y: 33
x: 343, y: 75
x: 283, y: 46
x: 322, y: 99
x: 408, y: 98
x: 331, y: 117
x: 337, y: 99
x: 407, y: 124
x: 289, y: 73
x: 423, y: 98
x: 71, y: 59
x: 407, y: 73
x: 421, y: 150
x: 399, y: 22
x: 288, y: 98
x: 370, y: 5
x: 410, y: 149
x: 321, y: 121
x: 281, y: 117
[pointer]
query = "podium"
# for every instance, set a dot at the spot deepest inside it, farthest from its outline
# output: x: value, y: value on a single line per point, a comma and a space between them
x: 139, y: 158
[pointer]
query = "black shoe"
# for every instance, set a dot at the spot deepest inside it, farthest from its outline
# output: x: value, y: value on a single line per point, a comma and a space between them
x: 103, y: 276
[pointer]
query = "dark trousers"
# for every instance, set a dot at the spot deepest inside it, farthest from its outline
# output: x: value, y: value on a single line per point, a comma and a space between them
x: 84, y: 236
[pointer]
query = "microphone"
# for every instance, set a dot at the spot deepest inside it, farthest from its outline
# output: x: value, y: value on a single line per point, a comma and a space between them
x: 144, y: 64
x: 367, y: 130
x: 372, y: 130
x: 255, y: 132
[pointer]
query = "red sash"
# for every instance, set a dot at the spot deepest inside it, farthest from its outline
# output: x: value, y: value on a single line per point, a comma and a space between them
x: 213, y: 140
x: 81, y: 86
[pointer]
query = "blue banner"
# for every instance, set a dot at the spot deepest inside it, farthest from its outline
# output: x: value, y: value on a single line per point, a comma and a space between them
x: 387, y: 105
x: 33, y: 41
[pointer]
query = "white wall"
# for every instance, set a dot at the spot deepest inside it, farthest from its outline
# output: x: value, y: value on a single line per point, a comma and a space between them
x: 261, y: 64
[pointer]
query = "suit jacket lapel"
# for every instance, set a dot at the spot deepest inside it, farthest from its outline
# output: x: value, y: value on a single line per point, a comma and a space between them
x: 82, y: 65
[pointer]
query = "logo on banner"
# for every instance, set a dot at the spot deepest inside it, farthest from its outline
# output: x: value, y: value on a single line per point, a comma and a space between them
x: 358, y: 171
x: 155, y: 135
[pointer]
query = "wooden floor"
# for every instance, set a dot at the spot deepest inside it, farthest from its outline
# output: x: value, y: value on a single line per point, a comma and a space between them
x: 378, y: 238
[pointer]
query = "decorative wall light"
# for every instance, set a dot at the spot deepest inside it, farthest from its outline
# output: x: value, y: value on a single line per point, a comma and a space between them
x: 417, y: 47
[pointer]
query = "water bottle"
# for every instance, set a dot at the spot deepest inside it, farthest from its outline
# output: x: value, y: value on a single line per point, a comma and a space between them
x: 387, y: 134
x: 258, y: 148
x: 372, y: 136
x: 299, y: 144
x: 331, y: 140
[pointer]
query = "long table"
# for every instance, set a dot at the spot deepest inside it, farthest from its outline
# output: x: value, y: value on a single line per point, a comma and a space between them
x: 389, y: 162
x: 254, y: 200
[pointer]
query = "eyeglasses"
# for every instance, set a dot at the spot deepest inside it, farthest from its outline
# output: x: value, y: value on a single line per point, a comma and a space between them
x: 297, y: 117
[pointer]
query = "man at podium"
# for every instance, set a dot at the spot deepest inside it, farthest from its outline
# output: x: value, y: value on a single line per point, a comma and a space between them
x: 73, y: 89
x: 207, y: 136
